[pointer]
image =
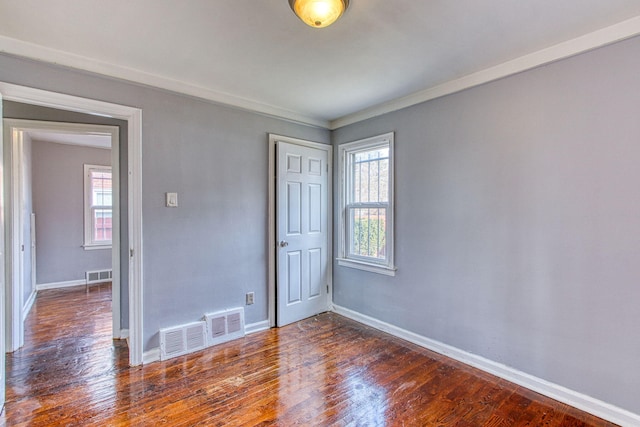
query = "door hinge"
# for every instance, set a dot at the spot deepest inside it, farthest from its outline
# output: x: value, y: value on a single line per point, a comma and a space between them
x: 131, y: 253
x: 327, y: 288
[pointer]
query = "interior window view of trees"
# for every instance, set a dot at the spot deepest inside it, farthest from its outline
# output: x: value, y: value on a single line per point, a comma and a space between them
x: 370, y: 203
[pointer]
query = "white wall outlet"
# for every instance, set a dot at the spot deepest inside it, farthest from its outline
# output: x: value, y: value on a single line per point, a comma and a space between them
x: 250, y: 297
x: 172, y: 200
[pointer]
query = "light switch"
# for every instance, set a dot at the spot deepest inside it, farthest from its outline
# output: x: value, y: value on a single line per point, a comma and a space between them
x: 172, y: 200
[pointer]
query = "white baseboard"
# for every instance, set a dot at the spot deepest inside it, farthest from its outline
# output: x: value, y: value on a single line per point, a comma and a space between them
x: 150, y: 356
x: 27, y: 305
x: 252, y: 328
x: 124, y: 334
x: 570, y: 397
x: 56, y: 285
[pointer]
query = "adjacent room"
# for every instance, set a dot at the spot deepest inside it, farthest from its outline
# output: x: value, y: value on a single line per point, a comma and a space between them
x: 320, y: 212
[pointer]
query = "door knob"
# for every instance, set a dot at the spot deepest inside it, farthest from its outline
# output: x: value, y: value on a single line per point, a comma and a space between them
x: 284, y: 243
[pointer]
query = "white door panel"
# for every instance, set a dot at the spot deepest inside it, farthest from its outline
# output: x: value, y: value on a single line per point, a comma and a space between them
x: 301, y: 231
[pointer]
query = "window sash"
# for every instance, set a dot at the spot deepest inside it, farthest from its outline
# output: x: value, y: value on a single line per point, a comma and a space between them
x: 360, y: 246
x: 101, y: 231
x: 98, y: 214
x: 367, y: 179
x: 366, y: 239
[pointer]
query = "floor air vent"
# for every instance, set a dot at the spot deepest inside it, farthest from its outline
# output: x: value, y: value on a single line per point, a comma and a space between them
x: 225, y: 326
x: 97, y: 276
x: 182, y: 339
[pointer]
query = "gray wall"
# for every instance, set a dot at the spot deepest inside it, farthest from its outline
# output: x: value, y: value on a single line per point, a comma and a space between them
x: 207, y: 253
x: 518, y: 223
x: 58, y: 201
x: 16, y: 110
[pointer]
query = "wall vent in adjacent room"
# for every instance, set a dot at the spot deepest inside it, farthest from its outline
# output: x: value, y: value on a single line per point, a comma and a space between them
x: 98, y: 276
x: 225, y: 325
x: 182, y: 339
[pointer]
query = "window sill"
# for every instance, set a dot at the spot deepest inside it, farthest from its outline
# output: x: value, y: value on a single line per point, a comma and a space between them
x: 95, y: 247
x: 372, y: 268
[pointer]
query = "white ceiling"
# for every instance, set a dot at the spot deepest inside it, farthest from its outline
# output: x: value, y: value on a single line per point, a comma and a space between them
x: 256, y: 54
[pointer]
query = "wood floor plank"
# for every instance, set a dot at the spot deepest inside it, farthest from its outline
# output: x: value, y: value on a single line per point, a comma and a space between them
x: 322, y: 371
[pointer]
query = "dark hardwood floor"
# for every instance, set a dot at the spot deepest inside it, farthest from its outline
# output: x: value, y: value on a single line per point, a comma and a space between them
x: 323, y: 371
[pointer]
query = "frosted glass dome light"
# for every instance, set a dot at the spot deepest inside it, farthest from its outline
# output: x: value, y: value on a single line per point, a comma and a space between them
x: 319, y: 13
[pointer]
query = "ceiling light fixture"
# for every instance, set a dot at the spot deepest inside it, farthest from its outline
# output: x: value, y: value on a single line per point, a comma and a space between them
x: 319, y: 13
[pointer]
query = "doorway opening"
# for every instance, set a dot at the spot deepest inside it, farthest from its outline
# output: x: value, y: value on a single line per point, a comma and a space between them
x: 134, y: 250
x: 63, y: 185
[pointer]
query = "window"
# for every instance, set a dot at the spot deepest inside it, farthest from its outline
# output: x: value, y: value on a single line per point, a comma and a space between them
x: 98, y: 212
x: 366, y: 204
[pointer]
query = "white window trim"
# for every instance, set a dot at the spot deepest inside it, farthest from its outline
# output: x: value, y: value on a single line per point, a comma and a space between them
x: 89, y: 245
x: 388, y: 268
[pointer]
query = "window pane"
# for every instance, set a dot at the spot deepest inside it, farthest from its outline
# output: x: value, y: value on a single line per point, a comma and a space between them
x: 101, y: 188
x: 366, y: 205
x: 102, y: 225
x: 368, y: 232
x: 370, y: 176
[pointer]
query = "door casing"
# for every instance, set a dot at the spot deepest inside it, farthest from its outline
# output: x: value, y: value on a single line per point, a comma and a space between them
x: 2, y: 279
x: 271, y: 241
x: 133, y: 116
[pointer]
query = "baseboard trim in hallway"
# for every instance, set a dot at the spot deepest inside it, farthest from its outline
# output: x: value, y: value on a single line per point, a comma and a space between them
x: 59, y: 285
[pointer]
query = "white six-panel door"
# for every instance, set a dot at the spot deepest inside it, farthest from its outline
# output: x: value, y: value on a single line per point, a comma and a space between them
x: 301, y: 232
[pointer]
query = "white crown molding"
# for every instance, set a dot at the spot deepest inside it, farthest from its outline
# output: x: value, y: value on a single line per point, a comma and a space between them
x: 605, y: 36
x: 573, y: 398
x: 41, y: 53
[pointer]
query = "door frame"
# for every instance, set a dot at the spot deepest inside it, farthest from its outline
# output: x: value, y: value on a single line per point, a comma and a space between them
x: 14, y: 220
x: 3, y: 374
x: 133, y: 116
x: 271, y: 241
